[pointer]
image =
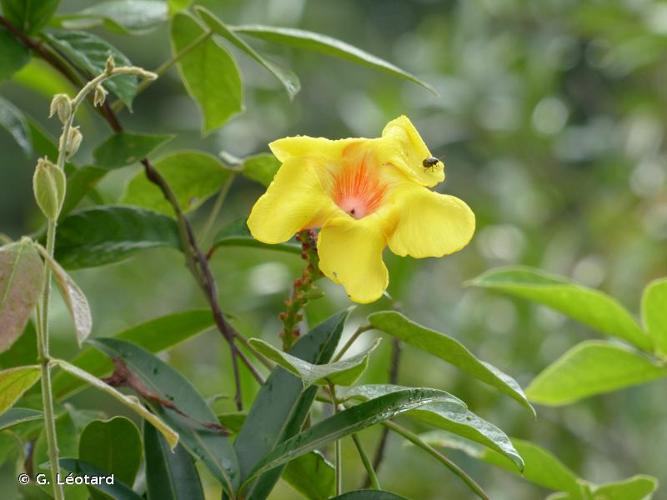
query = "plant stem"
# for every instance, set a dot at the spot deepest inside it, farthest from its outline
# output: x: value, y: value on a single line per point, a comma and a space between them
x: 374, y: 482
x: 217, y: 206
x: 352, y: 340
x: 416, y: 440
x: 339, y: 458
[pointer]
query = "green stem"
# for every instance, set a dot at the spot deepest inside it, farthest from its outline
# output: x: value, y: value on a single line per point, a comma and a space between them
x: 416, y: 440
x: 351, y: 341
x: 339, y: 457
x: 375, y: 483
x: 217, y: 206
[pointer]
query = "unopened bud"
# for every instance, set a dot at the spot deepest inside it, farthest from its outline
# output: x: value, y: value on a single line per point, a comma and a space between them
x: 148, y: 75
x: 110, y: 65
x: 61, y: 105
x: 49, y: 186
x: 99, y: 96
x: 72, y: 142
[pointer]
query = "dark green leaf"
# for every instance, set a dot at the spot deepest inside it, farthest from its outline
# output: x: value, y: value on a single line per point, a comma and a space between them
x: 312, y: 475
x: 590, y: 368
x: 117, y: 490
x: 194, y: 177
x: 121, y: 150
x: 12, y: 120
x: 588, y: 306
x: 125, y: 16
x: 169, y: 475
x: 80, y: 182
x: 103, y: 235
x: 196, y: 434
x: 23, y: 351
x: 368, y: 495
x: 326, y: 45
x: 13, y: 54
x: 654, y: 317
x: 289, y: 80
x: 21, y: 282
x: 237, y: 234
x: 261, y: 168
x: 447, y: 349
x: 232, y: 421
x: 634, y: 488
x: 29, y: 16
x: 155, y: 335
x: 17, y: 416
x: 208, y: 71
x: 89, y: 53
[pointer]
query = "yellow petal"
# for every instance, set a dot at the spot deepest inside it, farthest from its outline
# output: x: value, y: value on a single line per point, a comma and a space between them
x: 403, y: 147
x: 302, y: 145
x: 350, y: 253
x: 296, y: 199
x: 431, y: 224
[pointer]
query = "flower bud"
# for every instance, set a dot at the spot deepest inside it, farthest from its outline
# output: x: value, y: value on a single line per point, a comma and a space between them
x: 110, y: 65
x: 100, y: 95
x: 49, y: 187
x: 72, y: 142
x: 62, y: 106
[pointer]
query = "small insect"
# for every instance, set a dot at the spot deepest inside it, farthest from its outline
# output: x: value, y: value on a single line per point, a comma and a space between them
x: 430, y: 162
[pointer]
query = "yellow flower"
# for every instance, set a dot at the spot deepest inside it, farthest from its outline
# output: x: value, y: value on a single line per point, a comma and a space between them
x: 364, y: 194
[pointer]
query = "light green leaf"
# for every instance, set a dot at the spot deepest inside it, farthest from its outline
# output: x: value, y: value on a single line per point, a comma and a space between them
x: 29, y: 16
x: 194, y: 177
x: 124, y: 16
x: 344, y: 372
x: 654, y: 313
x: 591, y: 307
x: 261, y: 168
x: 154, y: 335
x: 450, y: 414
x: 16, y: 416
x: 13, y: 54
x: 178, y: 5
x: 208, y: 71
x: 126, y: 148
x: 312, y: 475
x: 117, y: 490
x: 237, y: 234
x: 447, y: 349
x: 233, y: 421
x: 132, y: 403
x: 43, y: 79
x: 289, y: 80
x: 89, y: 53
x: 591, y: 368
x: 368, y: 495
x: 326, y: 45
x: 14, y: 382
x: 635, y: 488
x: 21, y: 282
x: 103, y: 235
x: 13, y: 121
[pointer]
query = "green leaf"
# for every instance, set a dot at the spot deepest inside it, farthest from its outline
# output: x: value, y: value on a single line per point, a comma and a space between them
x: 21, y: 283
x: 17, y: 416
x: 154, y: 335
x: 23, y: 351
x: 208, y: 71
x: 29, y: 16
x: 368, y: 495
x: 654, y: 313
x: 591, y: 307
x: 194, y: 177
x: 312, y: 475
x: 114, y: 447
x: 237, y: 234
x: 169, y: 434
x: 288, y: 79
x: 80, y: 182
x: 103, y: 235
x: 591, y: 368
x: 124, y: 16
x: 448, y: 413
x: 196, y: 434
x: 13, y: 54
x: 281, y: 406
x: 326, y: 45
x: 635, y: 488
x: 232, y: 421
x: 344, y: 372
x: 89, y: 53
x: 117, y: 490
x: 260, y: 168
x: 344, y: 423
x: 125, y: 148
x: 169, y: 475
x: 14, y: 382
x: 447, y: 349
x: 13, y: 121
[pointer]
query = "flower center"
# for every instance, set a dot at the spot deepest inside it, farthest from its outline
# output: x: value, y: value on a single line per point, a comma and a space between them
x: 358, y: 191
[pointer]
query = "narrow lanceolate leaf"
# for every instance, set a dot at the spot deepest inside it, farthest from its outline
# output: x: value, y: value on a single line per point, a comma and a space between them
x: 21, y: 281
x: 13, y: 54
x: 326, y: 45
x: 450, y: 414
x: 74, y: 299
x: 288, y: 79
x: 89, y: 53
x: 13, y: 121
x: 154, y: 335
x: 17, y: 416
x: 346, y: 422
x: 208, y: 71
x: 194, y: 177
x: 117, y: 490
x: 29, y: 16
x: 13, y: 384
x: 345, y: 372
x: 126, y: 148
x: 591, y: 368
x: 132, y: 403
x: 281, y: 406
x: 125, y: 16
x: 170, y: 475
x: 447, y: 349
x: 190, y: 415
x: 635, y: 488
x: 260, y: 168
x: 237, y: 234
x: 312, y: 475
x: 368, y: 495
x: 654, y: 313
x: 103, y: 235
x: 591, y: 307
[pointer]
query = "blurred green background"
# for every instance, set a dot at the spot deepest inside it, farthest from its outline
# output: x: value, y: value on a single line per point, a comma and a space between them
x: 551, y: 120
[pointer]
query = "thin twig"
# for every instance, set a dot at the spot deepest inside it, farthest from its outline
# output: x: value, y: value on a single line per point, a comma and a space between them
x: 339, y: 457
x: 352, y: 340
x: 374, y: 482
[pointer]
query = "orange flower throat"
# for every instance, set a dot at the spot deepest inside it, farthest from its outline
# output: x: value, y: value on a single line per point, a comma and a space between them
x: 358, y: 191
